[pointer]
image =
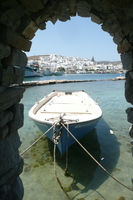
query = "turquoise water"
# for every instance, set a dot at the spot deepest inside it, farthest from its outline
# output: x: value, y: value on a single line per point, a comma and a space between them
x: 112, y: 151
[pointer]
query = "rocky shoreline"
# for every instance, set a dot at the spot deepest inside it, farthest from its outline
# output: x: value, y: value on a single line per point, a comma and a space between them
x: 47, y: 82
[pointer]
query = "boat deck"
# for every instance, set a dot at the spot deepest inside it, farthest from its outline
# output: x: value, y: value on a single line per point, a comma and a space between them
x: 67, y: 103
x: 73, y: 107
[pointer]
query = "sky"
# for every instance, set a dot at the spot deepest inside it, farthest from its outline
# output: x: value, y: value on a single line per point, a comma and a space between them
x: 78, y: 37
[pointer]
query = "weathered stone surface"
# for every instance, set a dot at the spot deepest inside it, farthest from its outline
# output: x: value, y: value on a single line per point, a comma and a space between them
x: 4, y: 19
x: 117, y: 38
x: 4, y: 131
x: 131, y: 74
x: 17, y: 190
x: 131, y: 133
x: 35, y: 6
x: 97, y: 5
x: 14, y: 39
x: 72, y: 8
x: 122, y: 4
x: 5, y: 118
x: 28, y: 27
x: 18, y: 117
x: 127, y: 60
x: 10, y: 176
x: 9, y: 148
x: 129, y: 112
x: 128, y: 88
x: 83, y: 8
x: 5, y: 50
x: 124, y: 46
x: 111, y: 24
x: 12, y: 75
x: 10, y: 97
x: 9, y: 76
x: 95, y: 17
x: 107, y: 5
x: 16, y: 58
x: 29, y: 31
x: 131, y: 36
x: 12, y: 14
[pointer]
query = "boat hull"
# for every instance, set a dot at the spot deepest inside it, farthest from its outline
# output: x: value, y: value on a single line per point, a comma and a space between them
x: 78, y: 130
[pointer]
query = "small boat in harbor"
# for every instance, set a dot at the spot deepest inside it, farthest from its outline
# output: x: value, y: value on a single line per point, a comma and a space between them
x: 58, y: 73
x: 47, y: 72
x: 32, y: 72
x: 75, y: 111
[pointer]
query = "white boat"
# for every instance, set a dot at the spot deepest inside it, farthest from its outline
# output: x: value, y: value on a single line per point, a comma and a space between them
x: 78, y: 112
x: 31, y: 72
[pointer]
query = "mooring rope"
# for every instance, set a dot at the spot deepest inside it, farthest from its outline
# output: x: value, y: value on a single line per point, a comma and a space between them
x: 38, y: 139
x: 55, y: 172
x: 95, y: 159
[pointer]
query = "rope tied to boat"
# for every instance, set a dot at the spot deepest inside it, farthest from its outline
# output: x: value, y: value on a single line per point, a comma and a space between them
x: 67, y: 174
x: 38, y: 139
x: 56, y: 134
x: 95, y: 159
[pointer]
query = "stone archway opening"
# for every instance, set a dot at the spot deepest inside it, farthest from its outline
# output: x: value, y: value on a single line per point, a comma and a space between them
x: 19, y: 21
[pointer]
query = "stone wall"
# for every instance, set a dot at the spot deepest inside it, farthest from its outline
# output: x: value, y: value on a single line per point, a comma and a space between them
x: 19, y: 21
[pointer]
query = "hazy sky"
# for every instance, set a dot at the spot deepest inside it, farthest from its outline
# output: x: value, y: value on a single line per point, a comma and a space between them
x: 78, y: 37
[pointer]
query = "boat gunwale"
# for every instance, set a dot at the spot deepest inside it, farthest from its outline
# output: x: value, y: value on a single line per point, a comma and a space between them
x: 47, y: 98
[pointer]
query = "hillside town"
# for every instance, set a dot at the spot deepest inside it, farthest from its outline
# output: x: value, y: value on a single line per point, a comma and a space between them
x: 71, y: 65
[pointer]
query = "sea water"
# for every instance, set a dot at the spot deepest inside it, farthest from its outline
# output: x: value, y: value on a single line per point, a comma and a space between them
x: 112, y: 151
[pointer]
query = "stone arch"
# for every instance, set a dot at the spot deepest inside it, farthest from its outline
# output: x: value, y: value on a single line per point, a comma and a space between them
x: 19, y: 21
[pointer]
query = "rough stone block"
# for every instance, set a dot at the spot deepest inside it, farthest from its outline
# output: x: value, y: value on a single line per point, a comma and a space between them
x: 128, y: 88
x: 5, y: 50
x: 19, y: 75
x: 29, y: 31
x: 131, y: 36
x: 18, y: 117
x: 107, y: 5
x: 12, y: 14
x: 9, y: 36
x: 8, y: 76
x: 6, y: 117
x: 124, y: 46
x: 35, y: 6
x: 4, y: 131
x: 129, y: 112
x: 17, y: 190
x: 4, y: 19
x: 127, y: 60
x: 97, y: 4
x: 83, y: 9
x: 16, y: 58
x: 12, y: 76
x: 10, y: 175
x: 117, y: 38
x: 95, y: 17
x: 9, y: 148
x: 10, y: 97
x: 131, y: 134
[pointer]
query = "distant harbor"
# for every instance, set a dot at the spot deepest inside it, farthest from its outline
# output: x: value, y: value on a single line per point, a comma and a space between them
x: 58, y: 65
